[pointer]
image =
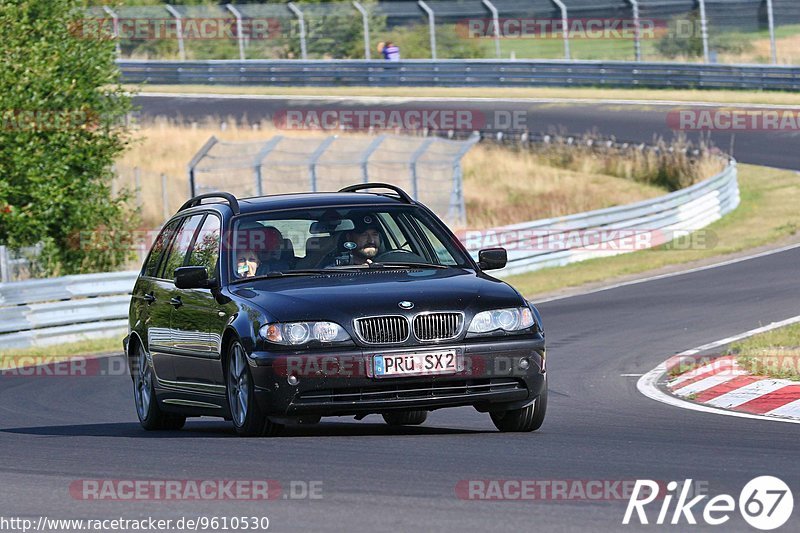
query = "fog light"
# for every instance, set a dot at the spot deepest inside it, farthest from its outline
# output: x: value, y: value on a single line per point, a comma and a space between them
x: 293, y: 380
x: 524, y: 364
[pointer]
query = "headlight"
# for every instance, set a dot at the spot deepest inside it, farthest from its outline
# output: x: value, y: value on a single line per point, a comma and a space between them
x: 295, y: 333
x: 511, y: 319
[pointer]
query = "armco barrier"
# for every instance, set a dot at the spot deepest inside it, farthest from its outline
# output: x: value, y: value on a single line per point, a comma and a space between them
x: 462, y: 72
x: 56, y: 310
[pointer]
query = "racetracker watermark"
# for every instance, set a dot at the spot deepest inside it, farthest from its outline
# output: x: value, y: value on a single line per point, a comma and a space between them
x: 766, y: 364
x: 26, y: 366
x: 589, y: 490
x: 194, y: 489
x: 543, y: 28
x: 596, y: 240
x: 734, y: 119
x: 192, y: 29
x: 42, y: 120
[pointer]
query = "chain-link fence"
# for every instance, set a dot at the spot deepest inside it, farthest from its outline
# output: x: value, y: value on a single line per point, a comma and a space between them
x: 429, y: 168
x: 729, y: 31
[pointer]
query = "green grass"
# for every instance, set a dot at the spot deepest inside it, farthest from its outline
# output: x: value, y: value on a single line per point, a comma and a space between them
x: 768, y: 213
x: 11, y: 358
x: 774, y: 354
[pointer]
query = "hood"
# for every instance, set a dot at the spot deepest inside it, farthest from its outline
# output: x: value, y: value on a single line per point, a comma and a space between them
x: 341, y: 297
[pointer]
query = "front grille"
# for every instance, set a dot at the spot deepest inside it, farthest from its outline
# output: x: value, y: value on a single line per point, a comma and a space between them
x: 393, y: 392
x: 438, y: 326
x: 383, y: 329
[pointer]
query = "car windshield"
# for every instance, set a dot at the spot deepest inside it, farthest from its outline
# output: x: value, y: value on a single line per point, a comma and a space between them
x: 298, y: 241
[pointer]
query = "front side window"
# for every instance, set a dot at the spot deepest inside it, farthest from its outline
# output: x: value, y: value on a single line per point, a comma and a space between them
x: 391, y: 237
x: 205, y: 250
x: 180, y: 246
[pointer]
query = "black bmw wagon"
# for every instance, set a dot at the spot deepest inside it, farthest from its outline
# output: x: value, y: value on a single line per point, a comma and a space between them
x: 283, y: 309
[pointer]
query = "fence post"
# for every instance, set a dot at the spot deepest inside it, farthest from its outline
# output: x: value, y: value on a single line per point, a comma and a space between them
x: 365, y: 20
x: 115, y: 22
x: 418, y: 153
x: 564, y: 22
x: 5, y: 277
x: 196, y: 160
x: 457, y: 196
x: 312, y: 160
x: 178, y: 29
x: 771, y: 20
x: 431, y: 26
x: 704, y: 29
x: 164, y: 196
x: 264, y: 152
x: 637, y: 33
x: 137, y: 183
x: 302, y: 21
x: 364, y: 163
x: 239, y: 29
x: 496, y: 24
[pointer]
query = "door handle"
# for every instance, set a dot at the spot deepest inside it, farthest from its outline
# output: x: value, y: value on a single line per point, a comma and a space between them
x: 176, y: 301
x: 149, y: 298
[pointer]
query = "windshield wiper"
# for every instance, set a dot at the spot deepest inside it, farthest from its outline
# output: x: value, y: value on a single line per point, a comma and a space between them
x: 395, y: 264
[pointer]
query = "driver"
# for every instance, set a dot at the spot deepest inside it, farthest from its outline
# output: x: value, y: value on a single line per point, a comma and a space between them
x: 366, y: 236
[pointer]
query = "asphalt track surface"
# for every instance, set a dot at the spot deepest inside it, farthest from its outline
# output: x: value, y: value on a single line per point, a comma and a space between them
x: 56, y: 430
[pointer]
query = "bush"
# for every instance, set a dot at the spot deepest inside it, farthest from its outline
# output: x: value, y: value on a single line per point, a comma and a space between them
x: 414, y: 42
x: 62, y: 111
x: 684, y: 39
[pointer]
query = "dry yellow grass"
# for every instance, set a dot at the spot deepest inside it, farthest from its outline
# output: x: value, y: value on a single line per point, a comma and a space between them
x: 502, y: 185
x: 788, y: 49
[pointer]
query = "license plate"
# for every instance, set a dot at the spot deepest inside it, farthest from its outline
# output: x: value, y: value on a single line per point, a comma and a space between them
x: 416, y: 364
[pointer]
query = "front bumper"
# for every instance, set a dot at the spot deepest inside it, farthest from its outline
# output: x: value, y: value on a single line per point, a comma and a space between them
x: 331, y: 383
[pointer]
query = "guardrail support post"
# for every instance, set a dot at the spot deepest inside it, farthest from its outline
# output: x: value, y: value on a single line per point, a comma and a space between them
x: 196, y: 160
x: 115, y: 22
x: 365, y: 20
x: 164, y: 197
x: 418, y: 153
x: 302, y: 22
x: 312, y: 161
x: 771, y: 20
x: 496, y: 24
x: 457, y: 208
x: 239, y: 28
x: 704, y: 29
x: 178, y: 29
x: 637, y: 30
x: 564, y: 22
x: 431, y: 26
x: 5, y: 276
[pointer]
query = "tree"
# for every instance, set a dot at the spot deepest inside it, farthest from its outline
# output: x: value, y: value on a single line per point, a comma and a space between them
x: 63, y: 111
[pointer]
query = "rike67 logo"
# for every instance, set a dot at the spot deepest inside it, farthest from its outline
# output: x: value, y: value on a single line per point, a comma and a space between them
x: 765, y: 503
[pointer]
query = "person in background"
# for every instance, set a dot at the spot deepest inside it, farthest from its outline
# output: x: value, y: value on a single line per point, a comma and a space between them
x: 391, y: 52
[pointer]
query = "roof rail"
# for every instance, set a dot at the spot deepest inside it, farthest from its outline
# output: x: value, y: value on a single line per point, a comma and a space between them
x: 198, y: 200
x: 361, y: 186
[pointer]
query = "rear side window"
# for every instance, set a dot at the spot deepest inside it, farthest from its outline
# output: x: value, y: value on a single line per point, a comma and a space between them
x: 157, y: 251
x: 205, y: 251
x: 179, y: 246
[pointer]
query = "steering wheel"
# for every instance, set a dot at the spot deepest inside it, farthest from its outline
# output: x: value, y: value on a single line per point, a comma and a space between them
x: 405, y: 255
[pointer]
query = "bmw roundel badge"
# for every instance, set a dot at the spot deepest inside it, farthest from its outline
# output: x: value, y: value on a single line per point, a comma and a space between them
x: 405, y: 304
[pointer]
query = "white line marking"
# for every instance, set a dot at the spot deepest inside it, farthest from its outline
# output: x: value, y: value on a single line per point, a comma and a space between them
x: 403, y: 99
x: 674, y: 274
x: 649, y: 383
x: 723, y: 364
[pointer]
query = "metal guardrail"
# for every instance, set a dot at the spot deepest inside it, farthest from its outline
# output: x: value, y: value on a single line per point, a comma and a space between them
x: 605, y: 232
x: 459, y: 73
x: 57, y: 310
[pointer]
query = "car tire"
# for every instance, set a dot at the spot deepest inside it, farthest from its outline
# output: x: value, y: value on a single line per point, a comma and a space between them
x: 405, y: 418
x: 528, y: 418
x: 151, y: 417
x: 246, y: 415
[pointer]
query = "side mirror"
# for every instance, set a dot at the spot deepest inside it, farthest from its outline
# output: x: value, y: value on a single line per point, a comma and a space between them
x: 192, y: 277
x: 492, y: 258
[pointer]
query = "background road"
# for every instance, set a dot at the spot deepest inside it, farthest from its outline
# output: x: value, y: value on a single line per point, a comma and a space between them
x: 640, y: 122
x: 54, y: 430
